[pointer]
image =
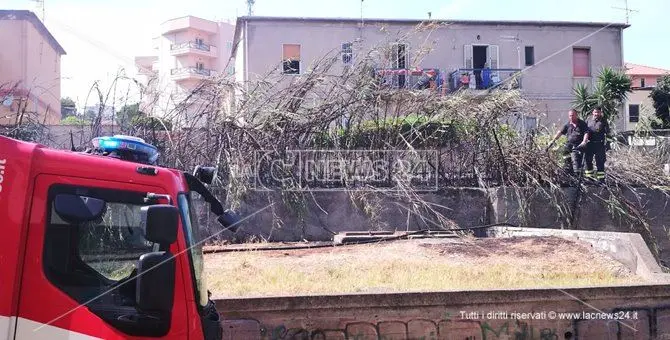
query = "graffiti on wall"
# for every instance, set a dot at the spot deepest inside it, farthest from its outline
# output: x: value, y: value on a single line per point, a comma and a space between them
x: 650, y: 323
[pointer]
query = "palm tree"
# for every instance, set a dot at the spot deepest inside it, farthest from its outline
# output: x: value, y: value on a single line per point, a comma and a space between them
x: 610, y: 92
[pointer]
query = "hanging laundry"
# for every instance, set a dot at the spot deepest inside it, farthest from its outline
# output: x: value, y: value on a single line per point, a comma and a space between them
x: 486, y: 77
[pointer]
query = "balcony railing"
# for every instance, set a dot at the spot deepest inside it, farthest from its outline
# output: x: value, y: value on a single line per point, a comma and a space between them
x: 191, y: 44
x: 185, y: 72
x: 398, y: 78
x: 445, y: 82
x: 484, y: 79
x: 195, y: 48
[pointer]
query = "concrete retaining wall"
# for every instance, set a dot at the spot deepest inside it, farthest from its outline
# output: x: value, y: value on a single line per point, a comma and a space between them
x: 627, y: 248
x: 595, y: 212
x: 644, y: 313
x: 327, y: 213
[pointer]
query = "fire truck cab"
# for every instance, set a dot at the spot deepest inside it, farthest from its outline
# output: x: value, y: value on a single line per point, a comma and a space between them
x: 101, y: 246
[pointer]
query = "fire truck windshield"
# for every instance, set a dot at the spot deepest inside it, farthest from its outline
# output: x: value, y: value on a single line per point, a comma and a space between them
x: 192, y: 231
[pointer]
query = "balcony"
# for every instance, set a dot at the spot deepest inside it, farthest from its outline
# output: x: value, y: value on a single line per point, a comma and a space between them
x: 193, y: 47
x: 484, y: 79
x: 191, y: 73
x: 189, y: 23
x: 398, y: 78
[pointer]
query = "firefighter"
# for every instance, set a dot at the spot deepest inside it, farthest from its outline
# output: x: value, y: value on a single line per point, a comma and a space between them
x: 577, y: 132
x: 599, y: 131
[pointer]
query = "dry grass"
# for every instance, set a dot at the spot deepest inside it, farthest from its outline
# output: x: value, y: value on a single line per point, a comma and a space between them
x: 419, y: 265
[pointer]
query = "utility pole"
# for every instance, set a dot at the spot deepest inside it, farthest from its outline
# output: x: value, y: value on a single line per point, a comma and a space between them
x: 628, y: 10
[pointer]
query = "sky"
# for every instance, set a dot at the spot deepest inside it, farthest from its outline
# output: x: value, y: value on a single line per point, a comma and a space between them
x: 102, y: 37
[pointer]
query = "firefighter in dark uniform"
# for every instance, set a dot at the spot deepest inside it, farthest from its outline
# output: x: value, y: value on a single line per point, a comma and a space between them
x: 577, y: 132
x: 599, y: 131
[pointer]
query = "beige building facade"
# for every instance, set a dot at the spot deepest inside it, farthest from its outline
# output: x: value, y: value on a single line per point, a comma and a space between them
x: 552, y: 57
x: 30, y: 69
x: 639, y: 105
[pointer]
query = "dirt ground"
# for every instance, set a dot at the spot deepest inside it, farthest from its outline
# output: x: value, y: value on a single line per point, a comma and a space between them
x: 414, y: 265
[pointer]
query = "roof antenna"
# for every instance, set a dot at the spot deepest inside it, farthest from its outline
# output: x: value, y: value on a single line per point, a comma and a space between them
x: 360, y: 31
x: 40, y: 6
x: 250, y: 6
x: 628, y: 10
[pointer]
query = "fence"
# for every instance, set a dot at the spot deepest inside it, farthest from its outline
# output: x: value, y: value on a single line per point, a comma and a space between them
x: 447, y: 161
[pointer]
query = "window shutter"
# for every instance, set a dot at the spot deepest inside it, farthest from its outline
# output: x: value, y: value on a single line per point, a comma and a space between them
x: 291, y: 51
x: 493, y: 56
x: 580, y: 62
x: 467, y: 51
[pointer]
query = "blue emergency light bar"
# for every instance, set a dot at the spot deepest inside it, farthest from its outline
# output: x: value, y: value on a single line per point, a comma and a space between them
x: 127, y: 148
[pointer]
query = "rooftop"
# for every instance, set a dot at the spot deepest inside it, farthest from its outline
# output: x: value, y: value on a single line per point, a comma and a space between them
x: 635, y: 69
x: 32, y: 18
x: 442, y: 21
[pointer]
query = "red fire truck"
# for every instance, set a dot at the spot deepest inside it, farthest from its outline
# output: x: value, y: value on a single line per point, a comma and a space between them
x: 101, y: 244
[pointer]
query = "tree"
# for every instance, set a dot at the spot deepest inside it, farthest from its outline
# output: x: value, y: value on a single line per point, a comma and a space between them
x: 67, y: 107
x: 660, y: 95
x: 610, y: 92
x: 143, y: 121
x: 125, y: 116
x: 74, y: 120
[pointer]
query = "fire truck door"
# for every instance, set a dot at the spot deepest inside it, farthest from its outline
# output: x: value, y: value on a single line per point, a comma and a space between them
x: 82, y: 270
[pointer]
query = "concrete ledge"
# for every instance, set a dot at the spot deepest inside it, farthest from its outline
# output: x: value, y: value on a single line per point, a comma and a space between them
x: 627, y: 248
x: 643, y: 311
x: 422, y: 299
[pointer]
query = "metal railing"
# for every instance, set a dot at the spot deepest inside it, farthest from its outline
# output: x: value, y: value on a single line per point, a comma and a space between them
x: 483, y: 79
x: 191, y: 44
x: 396, y: 78
x: 192, y: 70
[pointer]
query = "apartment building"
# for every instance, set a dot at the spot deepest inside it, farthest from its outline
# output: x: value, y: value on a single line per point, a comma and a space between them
x: 30, y: 62
x: 550, y: 57
x: 188, y: 51
x: 639, y: 104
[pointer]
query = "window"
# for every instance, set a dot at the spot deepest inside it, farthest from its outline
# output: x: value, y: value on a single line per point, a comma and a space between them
x: 642, y: 82
x: 347, y: 53
x: 399, y: 56
x: 399, y: 61
x: 633, y: 113
x: 530, y: 55
x: 581, y: 63
x: 87, y: 259
x: 199, y: 41
x: 199, y: 65
x: 291, y: 58
x: 193, y: 238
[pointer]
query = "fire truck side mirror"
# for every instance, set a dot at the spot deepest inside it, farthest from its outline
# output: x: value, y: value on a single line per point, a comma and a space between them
x: 155, y: 283
x: 78, y: 209
x: 159, y: 223
x: 204, y: 174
